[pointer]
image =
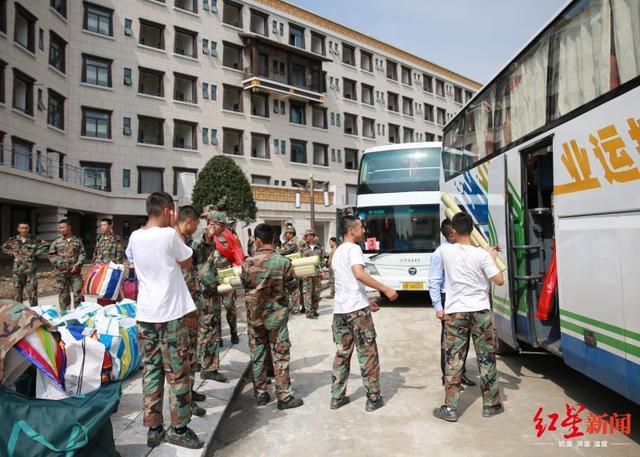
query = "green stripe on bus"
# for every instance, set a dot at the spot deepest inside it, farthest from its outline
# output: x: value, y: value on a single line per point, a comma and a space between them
x: 603, y: 325
x: 604, y: 339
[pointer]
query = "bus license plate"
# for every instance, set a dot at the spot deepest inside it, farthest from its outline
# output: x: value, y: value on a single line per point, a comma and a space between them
x: 412, y: 286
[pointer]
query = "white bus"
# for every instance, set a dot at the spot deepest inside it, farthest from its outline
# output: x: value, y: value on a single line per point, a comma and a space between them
x: 398, y: 201
x: 546, y: 157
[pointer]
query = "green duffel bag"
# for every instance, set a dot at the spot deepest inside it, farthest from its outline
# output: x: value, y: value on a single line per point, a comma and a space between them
x: 73, y: 427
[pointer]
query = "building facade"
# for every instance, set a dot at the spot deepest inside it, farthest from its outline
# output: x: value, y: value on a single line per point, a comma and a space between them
x: 107, y: 101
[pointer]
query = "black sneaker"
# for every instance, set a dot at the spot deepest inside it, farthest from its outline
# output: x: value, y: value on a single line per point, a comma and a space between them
x: 446, y: 413
x: 234, y: 338
x: 263, y: 399
x: 187, y: 439
x: 290, y: 403
x: 337, y: 403
x: 372, y: 405
x: 155, y: 437
x: 197, y: 410
x: 213, y: 376
x: 197, y: 396
x: 221, y: 343
x: 466, y: 381
x: 315, y: 314
x: 488, y: 411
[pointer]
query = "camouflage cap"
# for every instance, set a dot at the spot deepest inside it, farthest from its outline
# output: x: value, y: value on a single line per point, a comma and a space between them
x: 290, y: 229
x: 214, y: 215
x: 309, y: 232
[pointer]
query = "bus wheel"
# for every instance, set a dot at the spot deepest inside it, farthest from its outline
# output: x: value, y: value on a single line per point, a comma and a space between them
x: 504, y: 348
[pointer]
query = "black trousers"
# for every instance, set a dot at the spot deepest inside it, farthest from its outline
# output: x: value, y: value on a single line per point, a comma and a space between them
x: 442, y: 354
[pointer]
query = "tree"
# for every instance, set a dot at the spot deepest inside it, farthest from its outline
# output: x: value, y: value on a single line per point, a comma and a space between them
x: 222, y: 183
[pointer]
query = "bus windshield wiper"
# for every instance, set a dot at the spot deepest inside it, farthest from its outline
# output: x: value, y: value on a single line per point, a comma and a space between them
x: 375, y: 255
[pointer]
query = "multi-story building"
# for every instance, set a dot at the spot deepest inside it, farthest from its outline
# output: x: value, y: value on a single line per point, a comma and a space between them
x: 105, y: 102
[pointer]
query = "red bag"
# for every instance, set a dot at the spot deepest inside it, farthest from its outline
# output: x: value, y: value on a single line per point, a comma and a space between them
x: 130, y: 286
x: 233, y: 252
x: 545, y: 302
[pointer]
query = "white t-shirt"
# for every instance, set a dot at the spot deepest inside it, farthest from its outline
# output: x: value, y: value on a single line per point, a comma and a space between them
x: 163, y: 295
x: 467, y: 269
x: 350, y: 293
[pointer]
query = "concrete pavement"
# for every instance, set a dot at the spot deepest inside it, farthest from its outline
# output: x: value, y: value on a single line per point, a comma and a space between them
x: 408, y: 340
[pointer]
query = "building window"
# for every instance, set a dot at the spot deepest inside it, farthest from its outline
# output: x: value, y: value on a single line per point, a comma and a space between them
x: 349, y: 90
x: 126, y: 126
x: 427, y: 83
x: 468, y: 95
x: 319, y: 117
x: 407, y: 106
x: 185, y: 135
x: 457, y: 94
x: 394, y: 133
x: 232, y: 98
x: 428, y: 112
x: 297, y: 113
x: 151, y: 34
x: 98, y: 19
x: 366, y: 61
x: 350, y: 159
x: 128, y: 27
x: 259, y: 23
x: 3, y: 16
x: 317, y: 43
x: 23, y: 92
x: 296, y: 36
x: 429, y: 137
x: 150, y: 180
x: 57, y: 47
x: 442, y: 116
x: 298, y: 75
x: 351, y: 193
x: 406, y: 75
x: 96, y: 71
x: 205, y: 91
x: 184, y: 88
x: 214, y: 92
x: 298, y: 151
x: 96, y: 175
x: 60, y: 6
x: 350, y: 124
x: 260, y: 146
x: 150, y: 82
x: 393, y: 103
x: 24, y: 32
x: 214, y: 137
x: 439, y: 88
x: 151, y: 130
x: 407, y: 135
x: 3, y: 77
x: 96, y: 123
x: 231, y: 56
x: 367, y: 94
x: 392, y: 70
x: 261, y: 180
x: 21, y: 154
x: 128, y: 81
x: 259, y: 104
x: 232, y: 14
x: 348, y: 54
x: 320, y: 154
x: 187, y: 5
x: 126, y: 178
x: 368, y: 127
x: 186, y: 43
x: 232, y: 141
x: 55, y: 111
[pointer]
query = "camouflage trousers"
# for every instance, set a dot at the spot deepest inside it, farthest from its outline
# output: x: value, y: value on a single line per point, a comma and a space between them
x: 165, y: 353
x: 458, y: 327
x: 67, y: 283
x: 294, y: 300
x: 349, y: 329
x: 332, y: 283
x: 311, y: 288
x: 191, y: 321
x: 272, y: 336
x: 26, y: 283
x: 229, y: 303
x: 209, y: 333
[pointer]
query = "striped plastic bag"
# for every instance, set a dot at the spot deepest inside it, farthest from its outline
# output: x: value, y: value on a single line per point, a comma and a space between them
x: 119, y: 336
x: 104, y: 281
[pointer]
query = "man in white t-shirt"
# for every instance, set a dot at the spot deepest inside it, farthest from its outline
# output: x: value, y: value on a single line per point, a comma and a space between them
x: 164, y: 300
x: 467, y: 310
x: 352, y: 321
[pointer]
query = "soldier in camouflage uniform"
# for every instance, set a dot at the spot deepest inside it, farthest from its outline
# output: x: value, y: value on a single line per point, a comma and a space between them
x: 108, y: 246
x: 312, y: 286
x: 67, y: 256
x: 332, y: 278
x: 266, y: 276
x: 188, y: 221
x: 290, y: 246
x: 25, y: 249
x: 204, y: 255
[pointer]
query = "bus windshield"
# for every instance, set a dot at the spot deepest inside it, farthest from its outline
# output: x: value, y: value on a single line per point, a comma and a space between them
x: 406, y: 228
x: 400, y: 170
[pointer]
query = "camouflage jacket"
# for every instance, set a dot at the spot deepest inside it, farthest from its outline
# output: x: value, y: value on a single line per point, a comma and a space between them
x: 108, y: 249
x: 65, y: 253
x: 220, y: 261
x: 204, y: 261
x: 308, y: 251
x: 191, y: 275
x: 267, y: 277
x: 25, y: 253
x: 289, y: 247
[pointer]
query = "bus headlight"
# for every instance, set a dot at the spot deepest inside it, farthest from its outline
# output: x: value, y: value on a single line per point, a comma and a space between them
x: 371, y: 269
